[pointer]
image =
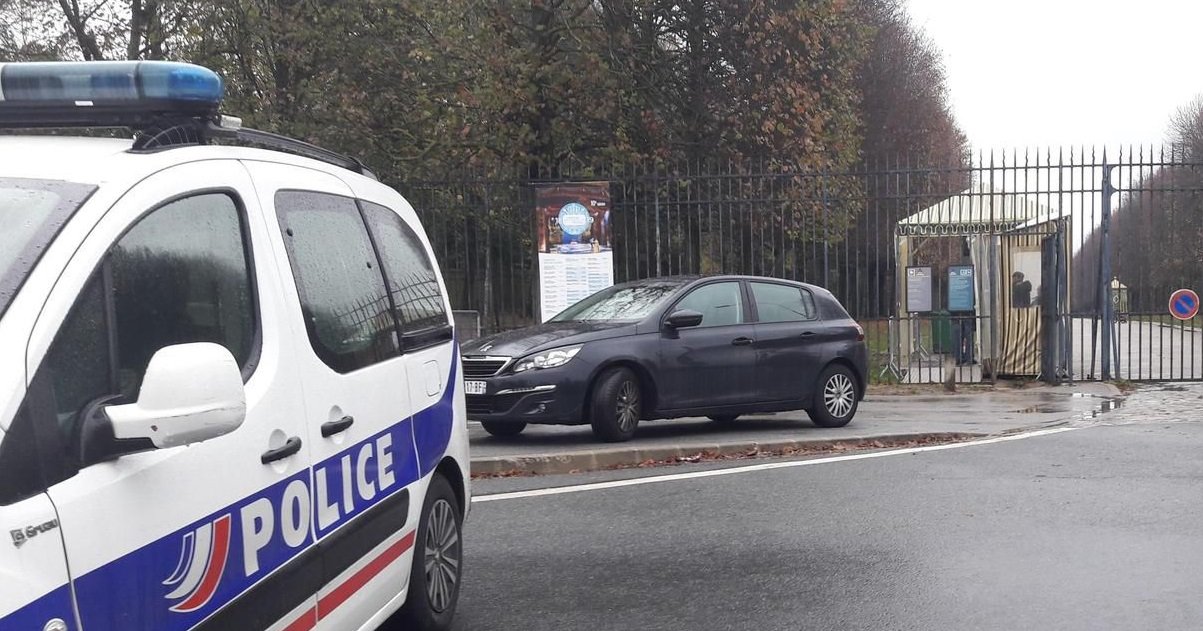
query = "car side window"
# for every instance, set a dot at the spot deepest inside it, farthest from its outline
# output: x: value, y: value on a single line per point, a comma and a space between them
x: 348, y: 313
x: 181, y: 274
x: 782, y: 303
x: 408, y: 270
x: 719, y: 303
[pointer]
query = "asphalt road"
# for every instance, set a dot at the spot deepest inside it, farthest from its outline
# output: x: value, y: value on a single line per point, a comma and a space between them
x: 1092, y: 528
x: 976, y: 412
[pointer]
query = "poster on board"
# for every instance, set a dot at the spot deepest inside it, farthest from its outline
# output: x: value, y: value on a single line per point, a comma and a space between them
x: 575, y: 243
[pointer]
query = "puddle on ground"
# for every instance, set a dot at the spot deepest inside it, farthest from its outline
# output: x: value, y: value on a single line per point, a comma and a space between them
x: 1092, y: 417
x: 1044, y: 409
x: 1108, y: 406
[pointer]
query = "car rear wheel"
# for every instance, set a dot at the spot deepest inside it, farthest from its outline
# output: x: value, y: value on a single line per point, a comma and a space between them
x: 501, y: 428
x: 616, y: 406
x: 836, y: 399
x: 724, y: 419
x: 437, y: 569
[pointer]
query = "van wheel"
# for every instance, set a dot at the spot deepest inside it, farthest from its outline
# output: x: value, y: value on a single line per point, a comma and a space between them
x: 502, y: 429
x: 836, y: 397
x: 617, y: 405
x: 437, y: 570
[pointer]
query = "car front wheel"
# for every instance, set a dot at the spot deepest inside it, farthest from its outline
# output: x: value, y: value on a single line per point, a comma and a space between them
x: 616, y: 406
x: 437, y: 569
x: 834, y: 404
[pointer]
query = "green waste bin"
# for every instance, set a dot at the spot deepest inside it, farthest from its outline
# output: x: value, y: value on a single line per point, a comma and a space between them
x: 943, y: 340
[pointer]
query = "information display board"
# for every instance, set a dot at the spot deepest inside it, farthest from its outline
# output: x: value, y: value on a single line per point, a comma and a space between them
x: 574, y: 242
x: 918, y: 290
x: 960, y: 288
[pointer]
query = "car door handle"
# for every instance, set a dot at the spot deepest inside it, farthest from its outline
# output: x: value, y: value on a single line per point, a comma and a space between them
x: 742, y: 341
x: 334, y: 427
x: 291, y: 447
x: 807, y: 334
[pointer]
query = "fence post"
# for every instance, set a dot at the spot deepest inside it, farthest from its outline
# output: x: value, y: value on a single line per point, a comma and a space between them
x: 1105, y: 272
x: 826, y: 223
x: 488, y: 311
x: 656, y: 205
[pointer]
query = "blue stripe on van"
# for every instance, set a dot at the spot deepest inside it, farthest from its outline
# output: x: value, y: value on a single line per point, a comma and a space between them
x: 432, y: 426
x: 129, y: 593
x: 35, y: 615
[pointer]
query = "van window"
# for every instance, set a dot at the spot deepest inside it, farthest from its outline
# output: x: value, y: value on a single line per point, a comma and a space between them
x: 410, y: 274
x: 182, y: 274
x: 32, y: 212
x: 348, y: 314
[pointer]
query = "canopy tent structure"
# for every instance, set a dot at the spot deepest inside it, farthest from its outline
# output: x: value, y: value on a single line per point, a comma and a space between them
x: 1019, y: 250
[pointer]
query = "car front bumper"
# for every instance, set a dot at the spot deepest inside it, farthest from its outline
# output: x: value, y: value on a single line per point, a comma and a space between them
x: 549, y: 397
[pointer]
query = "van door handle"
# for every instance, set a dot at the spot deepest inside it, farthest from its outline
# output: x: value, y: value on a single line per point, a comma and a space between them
x: 291, y: 447
x: 741, y: 341
x: 334, y: 427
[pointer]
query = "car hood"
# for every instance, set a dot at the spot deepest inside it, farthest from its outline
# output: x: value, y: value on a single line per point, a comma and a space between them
x: 545, y: 336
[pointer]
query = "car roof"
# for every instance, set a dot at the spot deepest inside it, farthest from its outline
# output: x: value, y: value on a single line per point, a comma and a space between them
x: 688, y: 279
x: 91, y: 160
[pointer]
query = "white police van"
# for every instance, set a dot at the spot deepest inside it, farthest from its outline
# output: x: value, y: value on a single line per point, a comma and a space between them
x: 230, y: 395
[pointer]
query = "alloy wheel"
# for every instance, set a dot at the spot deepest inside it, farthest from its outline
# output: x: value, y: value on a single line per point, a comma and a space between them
x: 627, y: 410
x: 839, y: 395
x: 442, y: 556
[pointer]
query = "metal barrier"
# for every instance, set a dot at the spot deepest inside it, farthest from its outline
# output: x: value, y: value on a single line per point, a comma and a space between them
x: 1135, y: 219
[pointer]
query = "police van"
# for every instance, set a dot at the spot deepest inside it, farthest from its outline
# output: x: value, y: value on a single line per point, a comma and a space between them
x: 230, y: 394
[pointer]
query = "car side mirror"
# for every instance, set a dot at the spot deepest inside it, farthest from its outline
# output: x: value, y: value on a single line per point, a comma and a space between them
x: 684, y: 319
x: 191, y: 393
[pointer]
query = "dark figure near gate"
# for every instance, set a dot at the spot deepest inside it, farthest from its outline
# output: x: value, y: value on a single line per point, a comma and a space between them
x: 965, y: 327
x: 1021, y: 291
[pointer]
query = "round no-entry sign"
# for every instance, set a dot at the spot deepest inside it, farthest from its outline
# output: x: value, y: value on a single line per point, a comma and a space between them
x: 1184, y: 304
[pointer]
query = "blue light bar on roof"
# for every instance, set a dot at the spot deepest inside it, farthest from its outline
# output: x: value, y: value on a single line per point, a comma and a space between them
x: 87, y: 83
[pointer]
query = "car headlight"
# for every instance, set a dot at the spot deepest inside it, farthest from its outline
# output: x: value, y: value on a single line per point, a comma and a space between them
x: 547, y: 359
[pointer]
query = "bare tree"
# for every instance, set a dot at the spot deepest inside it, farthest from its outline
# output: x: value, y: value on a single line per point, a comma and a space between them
x: 134, y: 29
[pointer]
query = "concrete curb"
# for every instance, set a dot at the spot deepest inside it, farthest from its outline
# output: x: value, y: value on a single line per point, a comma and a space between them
x: 617, y: 458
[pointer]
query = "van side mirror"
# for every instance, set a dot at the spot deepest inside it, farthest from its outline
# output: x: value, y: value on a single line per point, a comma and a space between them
x: 684, y: 319
x: 191, y: 392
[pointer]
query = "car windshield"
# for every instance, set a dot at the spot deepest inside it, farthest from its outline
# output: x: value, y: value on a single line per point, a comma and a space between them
x: 31, y: 213
x: 623, y: 303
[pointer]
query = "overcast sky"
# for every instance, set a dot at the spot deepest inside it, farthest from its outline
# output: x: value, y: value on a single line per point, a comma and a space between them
x: 1050, y: 73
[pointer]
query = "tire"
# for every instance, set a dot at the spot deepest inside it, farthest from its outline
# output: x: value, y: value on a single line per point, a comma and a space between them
x: 430, y: 604
x: 502, y: 429
x: 835, y: 398
x: 724, y: 419
x: 616, y: 405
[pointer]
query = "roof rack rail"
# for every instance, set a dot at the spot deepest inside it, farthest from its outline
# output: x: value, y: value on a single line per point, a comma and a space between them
x: 169, y: 132
x: 253, y: 137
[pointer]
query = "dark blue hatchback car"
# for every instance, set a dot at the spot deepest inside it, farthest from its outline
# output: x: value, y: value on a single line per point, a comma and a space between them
x: 671, y: 347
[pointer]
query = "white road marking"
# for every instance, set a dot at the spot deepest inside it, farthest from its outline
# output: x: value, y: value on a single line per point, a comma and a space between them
x: 598, y: 486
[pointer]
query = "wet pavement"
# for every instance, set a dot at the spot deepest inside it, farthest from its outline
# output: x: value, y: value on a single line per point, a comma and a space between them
x: 977, y: 412
x: 1089, y: 528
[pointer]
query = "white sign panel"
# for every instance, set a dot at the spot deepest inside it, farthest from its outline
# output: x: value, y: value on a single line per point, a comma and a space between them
x: 918, y: 289
x: 566, y: 280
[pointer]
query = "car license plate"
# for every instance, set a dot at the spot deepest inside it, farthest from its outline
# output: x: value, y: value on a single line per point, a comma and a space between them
x: 475, y: 387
